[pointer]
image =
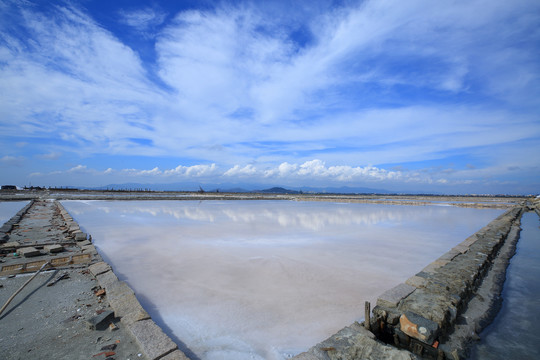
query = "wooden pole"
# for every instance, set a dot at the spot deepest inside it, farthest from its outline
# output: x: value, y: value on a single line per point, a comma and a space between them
x: 367, y: 321
x: 22, y: 287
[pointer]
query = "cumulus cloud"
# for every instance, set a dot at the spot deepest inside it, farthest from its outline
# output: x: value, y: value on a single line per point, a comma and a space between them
x: 313, y: 170
x: 317, y: 169
x: 78, y: 168
x: 238, y: 171
x: 193, y: 171
x: 283, y: 170
x: 154, y: 171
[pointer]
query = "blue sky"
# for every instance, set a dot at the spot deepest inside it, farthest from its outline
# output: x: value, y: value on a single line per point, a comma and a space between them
x: 434, y: 96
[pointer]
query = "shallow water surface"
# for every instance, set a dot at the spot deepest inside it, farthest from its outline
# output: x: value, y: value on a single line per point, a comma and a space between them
x: 9, y: 208
x: 266, y: 279
x: 514, y: 332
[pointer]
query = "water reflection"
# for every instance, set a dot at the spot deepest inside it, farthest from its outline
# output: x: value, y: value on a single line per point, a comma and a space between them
x: 9, y: 208
x: 262, y: 279
x: 308, y: 215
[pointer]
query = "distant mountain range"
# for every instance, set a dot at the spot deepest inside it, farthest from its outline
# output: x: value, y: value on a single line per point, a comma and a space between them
x: 245, y: 188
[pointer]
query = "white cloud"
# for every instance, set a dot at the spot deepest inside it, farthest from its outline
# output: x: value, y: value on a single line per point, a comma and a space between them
x: 238, y: 171
x: 153, y: 172
x: 192, y: 171
x: 143, y: 19
x: 12, y: 160
x: 283, y: 170
x: 78, y: 168
x: 317, y: 169
x: 313, y: 170
x: 53, y: 155
x: 74, y: 79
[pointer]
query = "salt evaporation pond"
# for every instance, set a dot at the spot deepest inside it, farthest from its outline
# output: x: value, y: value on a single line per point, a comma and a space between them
x: 266, y: 279
x: 9, y: 208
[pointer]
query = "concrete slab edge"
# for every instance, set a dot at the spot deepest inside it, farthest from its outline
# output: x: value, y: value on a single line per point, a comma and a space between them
x: 153, y: 341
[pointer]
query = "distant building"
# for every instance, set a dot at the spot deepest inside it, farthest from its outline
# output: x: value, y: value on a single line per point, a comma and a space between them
x: 9, y: 187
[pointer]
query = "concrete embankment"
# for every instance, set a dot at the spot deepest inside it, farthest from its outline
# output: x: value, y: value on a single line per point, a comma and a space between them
x: 436, y: 313
x: 84, y: 311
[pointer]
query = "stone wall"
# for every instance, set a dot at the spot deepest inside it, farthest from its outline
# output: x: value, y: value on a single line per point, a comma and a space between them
x: 417, y: 319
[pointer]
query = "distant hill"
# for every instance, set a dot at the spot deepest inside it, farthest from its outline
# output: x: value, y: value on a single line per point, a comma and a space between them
x: 346, y: 190
x: 278, y: 190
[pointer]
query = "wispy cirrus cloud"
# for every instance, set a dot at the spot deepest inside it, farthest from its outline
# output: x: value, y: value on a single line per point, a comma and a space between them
x: 53, y: 155
x: 374, y: 83
x: 143, y: 19
x: 9, y: 160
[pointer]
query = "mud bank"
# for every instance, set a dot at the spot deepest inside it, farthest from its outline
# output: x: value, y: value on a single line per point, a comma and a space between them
x: 83, y: 311
x: 438, y: 312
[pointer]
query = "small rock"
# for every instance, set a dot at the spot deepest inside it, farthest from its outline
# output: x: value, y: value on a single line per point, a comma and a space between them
x: 80, y: 236
x: 109, y: 347
x: 84, y: 243
x: 97, y: 321
x: 55, y: 248
x: 418, y: 327
x: 28, y: 251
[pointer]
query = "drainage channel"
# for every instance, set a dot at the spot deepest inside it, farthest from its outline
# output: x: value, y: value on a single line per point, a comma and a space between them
x: 514, y: 332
